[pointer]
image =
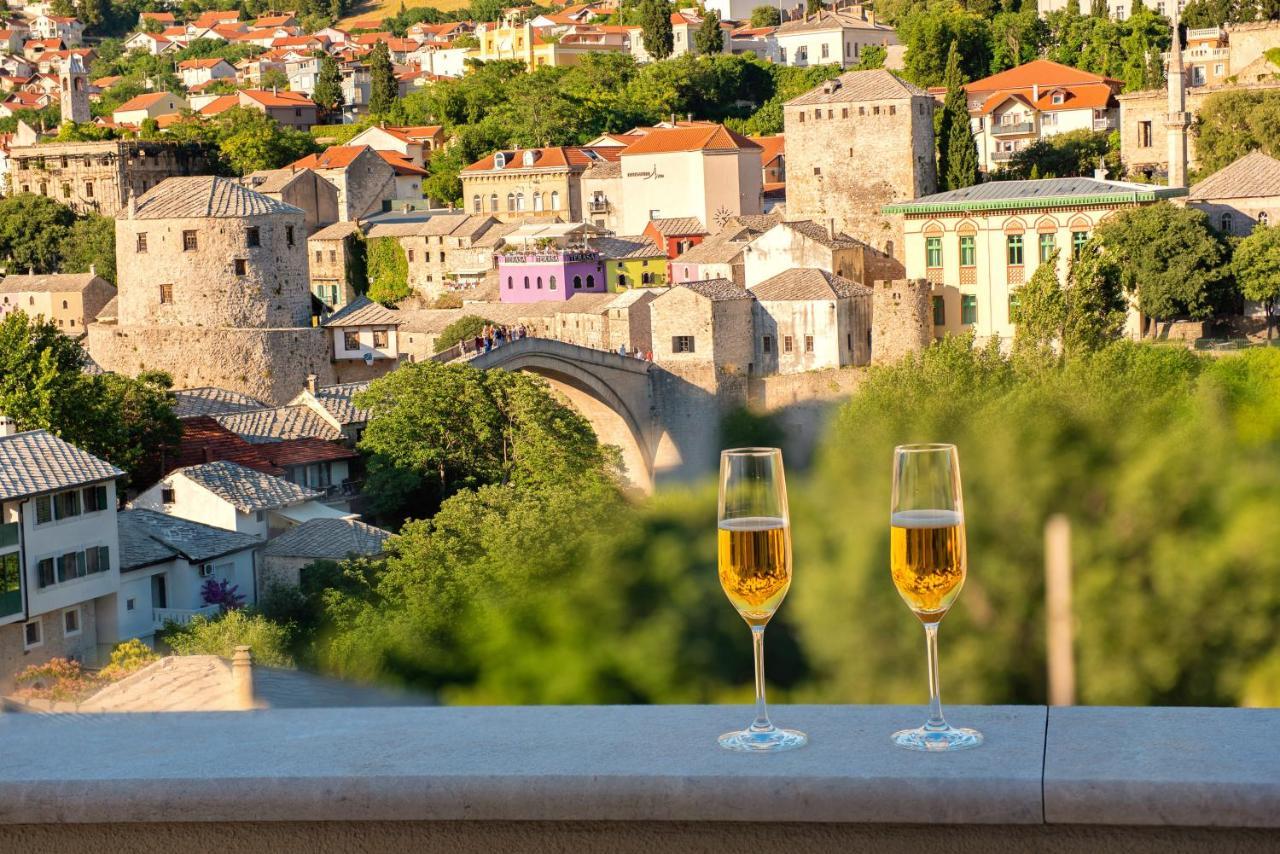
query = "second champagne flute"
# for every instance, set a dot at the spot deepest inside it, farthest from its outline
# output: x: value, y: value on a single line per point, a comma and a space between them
x: 755, y: 569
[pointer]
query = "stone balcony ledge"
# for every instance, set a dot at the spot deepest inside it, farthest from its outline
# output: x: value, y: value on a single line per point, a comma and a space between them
x: 1122, y: 768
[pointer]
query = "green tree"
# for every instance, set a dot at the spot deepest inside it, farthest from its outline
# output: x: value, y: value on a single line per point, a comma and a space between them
x: 388, y: 270
x: 873, y: 56
x: 328, y: 91
x: 955, y: 108
x: 268, y: 642
x: 128, y: 422
x: 709, y: 38
x: 1063, y: 155
x: 1256, y: 267
x: 463, y: 329
x: 1095, y: 302
x: 33, y: 230
x: 249, y: 141
x: 91, y: 245
x: 962, y: 155
x: 929, y: 31
x: 1169, y: 257
x: 765, y: 16
x: 1040, y: 311
x: 812, y: 7
x: 1233, y: 123
x: 383, y: 89
x: 655, y: 22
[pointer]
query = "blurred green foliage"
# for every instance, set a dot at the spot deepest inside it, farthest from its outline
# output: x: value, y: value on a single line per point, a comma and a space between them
x: 559, y: 589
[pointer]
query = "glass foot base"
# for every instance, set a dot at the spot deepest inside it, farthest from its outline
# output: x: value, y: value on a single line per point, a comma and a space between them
x: 761, y: 741
x: 949, y: 738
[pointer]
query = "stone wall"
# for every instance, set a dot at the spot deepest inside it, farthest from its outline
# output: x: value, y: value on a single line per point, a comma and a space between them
x: 99, y: 176
x: 203, y: 288
x: 269, y: 364
x: 846, y: 165
x: 1251, y: 40
x: 82, y: 647
x: 901, y: 318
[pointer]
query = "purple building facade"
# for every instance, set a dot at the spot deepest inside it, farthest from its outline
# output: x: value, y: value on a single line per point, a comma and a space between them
x: 550, y: 274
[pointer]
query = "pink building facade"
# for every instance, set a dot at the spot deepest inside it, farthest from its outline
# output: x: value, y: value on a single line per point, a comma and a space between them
x: 550, y: 274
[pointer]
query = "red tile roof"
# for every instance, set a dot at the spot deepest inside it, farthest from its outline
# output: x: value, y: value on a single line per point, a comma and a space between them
x: 292, y: 452
x: 563, y: 157
x: 220, y: 105
x: 282, y: 98
x: 204, y: 440
x: 1040, y: 72
x: 142, y: 102
x: 708, y: 138
x: 333, y: 157
x: 201, y: 63
x: 774, y: 146
x: 401, y: 165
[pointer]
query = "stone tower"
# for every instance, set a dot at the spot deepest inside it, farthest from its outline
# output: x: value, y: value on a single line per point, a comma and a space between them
x: 73, y: 80
x: 1179, y: 119
x: 854, y: 144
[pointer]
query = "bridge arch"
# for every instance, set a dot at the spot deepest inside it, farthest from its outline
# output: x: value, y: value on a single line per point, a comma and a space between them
x: 610, y: 391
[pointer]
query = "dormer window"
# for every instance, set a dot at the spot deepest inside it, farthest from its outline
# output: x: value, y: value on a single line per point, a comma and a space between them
x: 528, y: 158
x: 1058, y: 97
x: 499, y: 161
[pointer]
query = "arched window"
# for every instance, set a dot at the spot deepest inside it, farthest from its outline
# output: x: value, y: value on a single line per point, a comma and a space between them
x: 493, y: 202
x: 519, y: 201
x: 622, y: 280
x: 529, y: 158
x: 555, y: 200
x: 499, y: 161
x: 591, y: 281
x: 526, y: 283
x: 1226, y: 223
x: 537, y: 201
x: 577, y: 283
x: 1263, y: 219
x: 511, y: 282
x: 539, y: 283
x: 511, y: 201
x: 475, y: 203
x: 552, y: 283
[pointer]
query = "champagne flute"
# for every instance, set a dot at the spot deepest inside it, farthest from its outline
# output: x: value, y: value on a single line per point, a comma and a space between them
x: 928, y: 561
x: 754, y: 542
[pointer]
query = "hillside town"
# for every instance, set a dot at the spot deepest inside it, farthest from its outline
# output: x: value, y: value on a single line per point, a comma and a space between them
x: 277, y: 212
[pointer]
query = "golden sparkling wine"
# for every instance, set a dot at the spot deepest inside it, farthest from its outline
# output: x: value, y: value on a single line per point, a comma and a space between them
x: 927, y: 558
x: 755, y: 565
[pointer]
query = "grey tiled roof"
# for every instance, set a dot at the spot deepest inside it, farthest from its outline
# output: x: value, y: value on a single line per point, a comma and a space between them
x: 336, y: 399
x: 336, y: 231
x: 51, y: 283
x: 205, y: 196
x: 618, y: 248
x: 331, y: 539
x: 604, y: 169
x: 276, y: 424
x: 806, y: 283
x: 827, y: 20
x: 246, y: 489
x: 820, y: 234
x: 722, y: 248
x: 755, y: 222
x: 211, y: 400
x: 363, y: 311
x: 678, y: 225
x: 37, y: 461
x: 1252, y: 176
x: 717, y: 289
x: 149, y: 536
x: 994, y: 191
x: 876, y: 85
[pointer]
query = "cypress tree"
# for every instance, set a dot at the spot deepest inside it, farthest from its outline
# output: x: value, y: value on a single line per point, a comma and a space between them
x: 709, y: 38
x: 328, y: 91
x: 382, y: 82
x: 655, y: 28
x: 953, y: 124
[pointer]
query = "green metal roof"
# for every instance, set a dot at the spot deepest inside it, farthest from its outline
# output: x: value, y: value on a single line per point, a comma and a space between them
x: 1045, y: 193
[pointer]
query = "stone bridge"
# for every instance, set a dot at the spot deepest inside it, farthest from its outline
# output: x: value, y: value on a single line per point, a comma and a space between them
x: 667, y: 427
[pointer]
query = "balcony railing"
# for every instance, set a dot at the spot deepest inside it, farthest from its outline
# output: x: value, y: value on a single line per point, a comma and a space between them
x: 1104, y: 124
x: 598, y: 205
x: 1000, y: 156
x: 1016, y: 129
x: 181, y: 616
x: 341, y: 491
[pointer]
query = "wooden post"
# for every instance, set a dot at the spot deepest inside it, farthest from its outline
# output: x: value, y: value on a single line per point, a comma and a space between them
x: 1057, y: 588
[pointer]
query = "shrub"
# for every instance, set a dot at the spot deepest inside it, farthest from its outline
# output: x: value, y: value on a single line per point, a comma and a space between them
x: 464, y: 328
x: 268, y: 641
x: 128, y: 657
x: 388, y: 271
x: 60, y: 679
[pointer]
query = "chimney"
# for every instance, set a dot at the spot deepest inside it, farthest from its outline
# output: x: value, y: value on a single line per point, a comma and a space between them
x: 7, y: 425
x: 1100, y: 174
x: 93, y: 269
x: 133, y: 206
x: 831, y: 229
x: 1035, y: 92
x: 242, y: 679
x: 311, y: 383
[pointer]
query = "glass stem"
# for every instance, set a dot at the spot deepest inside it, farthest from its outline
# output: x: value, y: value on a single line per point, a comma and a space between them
x: 762, y: 722
x: 936, y: 720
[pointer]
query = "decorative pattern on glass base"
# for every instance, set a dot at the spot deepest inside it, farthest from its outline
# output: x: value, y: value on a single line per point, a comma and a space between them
x: 762, y: 741
x: 937, y: 740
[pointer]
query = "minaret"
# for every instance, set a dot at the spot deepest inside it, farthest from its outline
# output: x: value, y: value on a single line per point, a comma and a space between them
x: 73, y: 80
x: 1179, y: 119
